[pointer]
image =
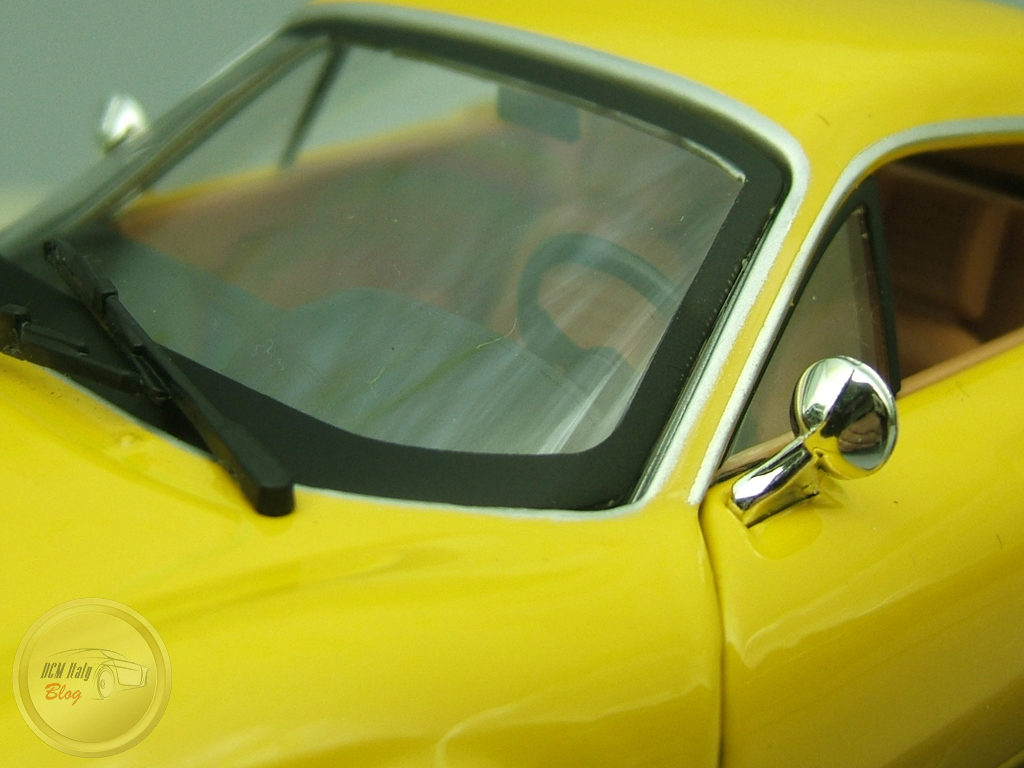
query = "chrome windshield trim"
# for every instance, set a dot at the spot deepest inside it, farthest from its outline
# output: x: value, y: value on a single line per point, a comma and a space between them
x: 723, y: 338
x: 868, y: 160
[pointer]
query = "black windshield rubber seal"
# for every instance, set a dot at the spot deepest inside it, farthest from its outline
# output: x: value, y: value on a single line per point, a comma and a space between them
x: 607, y: 474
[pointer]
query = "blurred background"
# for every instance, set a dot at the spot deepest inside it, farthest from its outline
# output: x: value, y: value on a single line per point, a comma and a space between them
x: 61, y: 59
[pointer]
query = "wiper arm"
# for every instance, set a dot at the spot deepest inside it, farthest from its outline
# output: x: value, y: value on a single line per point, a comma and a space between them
x: 24, y: 338
x: 265, y: 482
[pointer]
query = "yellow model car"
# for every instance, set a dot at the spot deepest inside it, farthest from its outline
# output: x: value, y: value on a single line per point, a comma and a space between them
x: 503, y: 383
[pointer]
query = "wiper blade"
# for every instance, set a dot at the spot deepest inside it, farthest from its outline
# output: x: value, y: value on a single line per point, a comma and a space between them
x: 264, y: 481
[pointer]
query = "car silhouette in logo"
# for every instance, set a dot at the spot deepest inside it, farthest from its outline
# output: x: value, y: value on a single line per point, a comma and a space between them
x: 102, y: 671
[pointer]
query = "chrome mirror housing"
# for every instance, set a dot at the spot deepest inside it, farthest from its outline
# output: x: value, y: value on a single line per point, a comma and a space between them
x: 122, y: 118
x: 844, y: 421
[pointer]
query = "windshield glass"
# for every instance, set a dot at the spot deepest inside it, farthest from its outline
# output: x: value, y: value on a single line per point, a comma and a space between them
x: 423, y: 255
x: 423, y: 266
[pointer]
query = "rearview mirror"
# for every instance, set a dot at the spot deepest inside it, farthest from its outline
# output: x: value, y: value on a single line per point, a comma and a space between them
x: 844, y: 421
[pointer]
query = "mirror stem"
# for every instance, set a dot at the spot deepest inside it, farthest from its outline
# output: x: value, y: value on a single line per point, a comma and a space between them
x: 788, y: 477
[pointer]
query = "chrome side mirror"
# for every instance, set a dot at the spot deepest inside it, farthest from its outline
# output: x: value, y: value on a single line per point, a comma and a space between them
x: 122, y: 118
x: 844, y: 419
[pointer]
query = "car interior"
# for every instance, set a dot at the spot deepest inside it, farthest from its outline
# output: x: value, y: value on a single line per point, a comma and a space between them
x: 954, y: 231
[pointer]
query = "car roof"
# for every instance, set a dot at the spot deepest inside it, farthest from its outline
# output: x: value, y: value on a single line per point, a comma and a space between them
x: 837, y: 76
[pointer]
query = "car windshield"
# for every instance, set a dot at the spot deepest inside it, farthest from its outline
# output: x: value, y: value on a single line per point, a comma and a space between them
x: 425, y: 254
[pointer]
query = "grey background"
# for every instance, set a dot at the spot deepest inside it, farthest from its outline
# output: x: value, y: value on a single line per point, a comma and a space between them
x: 61, y: 59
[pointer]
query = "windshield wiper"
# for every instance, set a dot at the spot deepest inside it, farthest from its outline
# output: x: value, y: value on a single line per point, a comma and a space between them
x: 265, y: 482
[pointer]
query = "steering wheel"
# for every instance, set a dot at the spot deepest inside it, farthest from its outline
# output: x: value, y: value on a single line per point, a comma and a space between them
x: 539, y: 331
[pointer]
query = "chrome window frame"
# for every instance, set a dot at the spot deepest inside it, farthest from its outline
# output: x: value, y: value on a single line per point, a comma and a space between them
x: 913, y: 140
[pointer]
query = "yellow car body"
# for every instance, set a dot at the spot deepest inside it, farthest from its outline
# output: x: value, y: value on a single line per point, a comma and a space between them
x: 880, y: 622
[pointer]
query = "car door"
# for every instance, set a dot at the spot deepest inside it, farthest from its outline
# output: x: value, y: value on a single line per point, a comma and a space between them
x: 880, y: 622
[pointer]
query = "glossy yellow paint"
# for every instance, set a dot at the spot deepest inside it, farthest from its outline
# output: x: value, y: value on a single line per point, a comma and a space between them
x: 852, y: 627
x: 355, y: 631
x: 365, y: 632
x: 855, y: 627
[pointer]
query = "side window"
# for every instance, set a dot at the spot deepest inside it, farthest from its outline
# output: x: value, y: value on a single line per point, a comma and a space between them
x: 838, y: 312
x: 954, y: 230
x: 954, y: 252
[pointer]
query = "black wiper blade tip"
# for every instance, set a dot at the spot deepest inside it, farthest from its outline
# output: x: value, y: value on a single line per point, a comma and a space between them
x: 262, y: 478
